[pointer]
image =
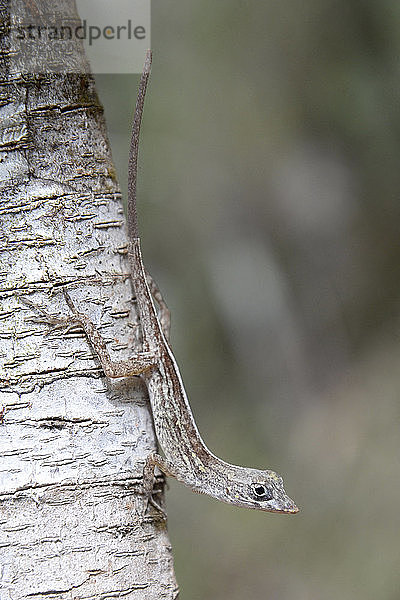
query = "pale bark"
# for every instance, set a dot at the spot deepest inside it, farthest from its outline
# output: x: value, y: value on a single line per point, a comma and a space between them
x: 72, y: 445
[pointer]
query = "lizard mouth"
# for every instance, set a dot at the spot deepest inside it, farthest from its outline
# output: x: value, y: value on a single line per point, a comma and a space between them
x: 287, y: 507
x: 292, y: 510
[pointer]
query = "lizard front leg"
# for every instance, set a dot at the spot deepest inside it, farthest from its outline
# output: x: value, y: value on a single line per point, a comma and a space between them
x: 154, y: 460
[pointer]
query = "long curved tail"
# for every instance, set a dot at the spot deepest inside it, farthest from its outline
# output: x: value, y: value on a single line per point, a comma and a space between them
x: 134, y: 148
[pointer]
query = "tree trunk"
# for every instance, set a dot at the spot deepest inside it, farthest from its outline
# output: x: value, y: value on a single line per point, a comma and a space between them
x: 72, y: 445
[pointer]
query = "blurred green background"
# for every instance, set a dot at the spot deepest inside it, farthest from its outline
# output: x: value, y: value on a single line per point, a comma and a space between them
x: 268, y: 204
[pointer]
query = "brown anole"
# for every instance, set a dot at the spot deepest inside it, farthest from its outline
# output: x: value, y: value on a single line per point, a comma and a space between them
x: 186, y: 457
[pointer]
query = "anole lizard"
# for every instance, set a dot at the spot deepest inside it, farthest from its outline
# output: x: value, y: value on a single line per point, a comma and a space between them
x: 186, y: 457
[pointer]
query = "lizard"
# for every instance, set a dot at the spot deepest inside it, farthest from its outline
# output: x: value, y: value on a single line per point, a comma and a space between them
x: 186, y: 456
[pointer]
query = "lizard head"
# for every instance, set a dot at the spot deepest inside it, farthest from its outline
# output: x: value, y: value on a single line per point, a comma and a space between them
x: 262, y: 490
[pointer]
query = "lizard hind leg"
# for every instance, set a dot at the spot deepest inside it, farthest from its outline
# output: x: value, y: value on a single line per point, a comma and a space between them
x: 136, y: 365
x: 55, y: 320
x: 164, y: 312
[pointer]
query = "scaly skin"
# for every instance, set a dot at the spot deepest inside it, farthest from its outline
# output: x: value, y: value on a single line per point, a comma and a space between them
x: 187, y: 458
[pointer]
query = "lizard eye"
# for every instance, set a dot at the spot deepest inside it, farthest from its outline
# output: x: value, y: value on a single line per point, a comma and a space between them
x: 261, y: 491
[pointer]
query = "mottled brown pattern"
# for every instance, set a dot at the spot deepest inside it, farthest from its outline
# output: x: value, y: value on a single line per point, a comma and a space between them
x: 186, y: 456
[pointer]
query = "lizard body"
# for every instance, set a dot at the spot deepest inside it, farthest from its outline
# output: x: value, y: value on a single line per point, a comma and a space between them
x: 186, y: 457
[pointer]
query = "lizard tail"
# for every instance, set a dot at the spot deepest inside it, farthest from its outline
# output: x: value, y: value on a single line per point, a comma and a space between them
x: 134, y: 148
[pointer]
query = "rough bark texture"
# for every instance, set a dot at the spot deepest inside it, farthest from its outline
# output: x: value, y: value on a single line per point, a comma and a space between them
x: 72, y: 445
